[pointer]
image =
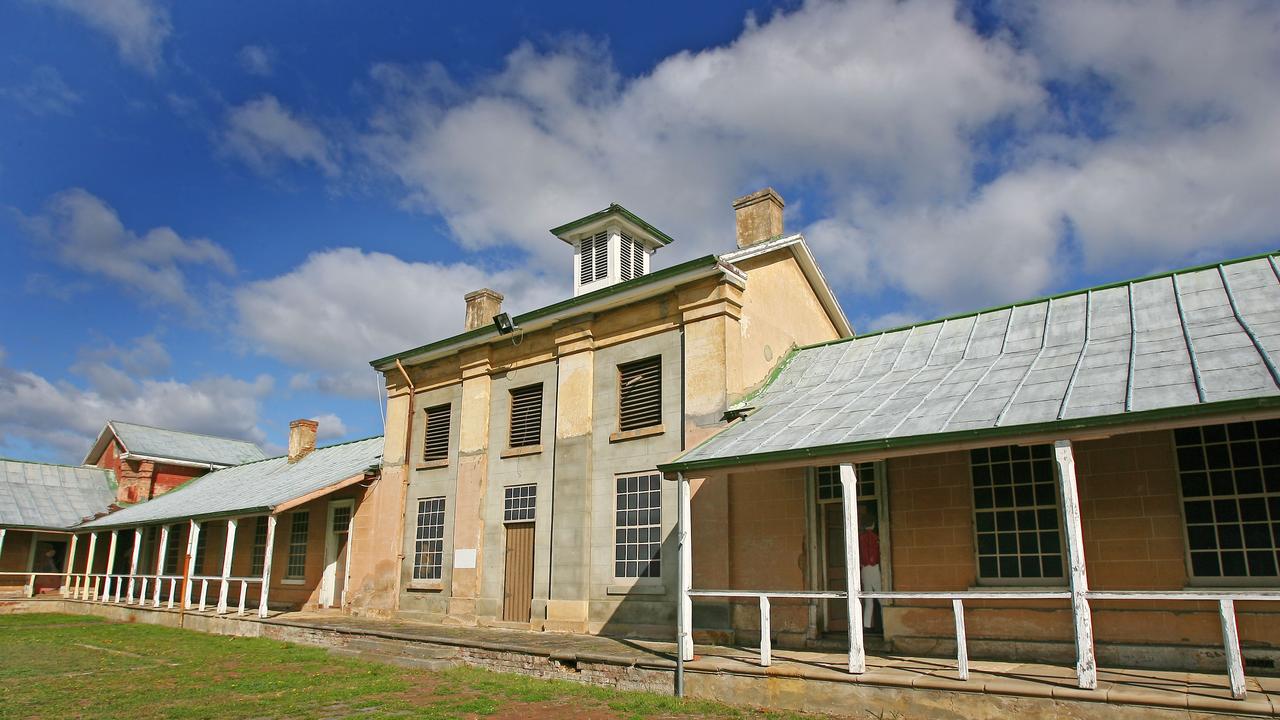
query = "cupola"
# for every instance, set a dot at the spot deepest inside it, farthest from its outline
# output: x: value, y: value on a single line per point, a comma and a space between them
x: 609, y: 247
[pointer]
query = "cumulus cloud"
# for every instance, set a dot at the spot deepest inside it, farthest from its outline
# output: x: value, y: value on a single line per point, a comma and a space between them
x: 44, y: 93
x: 342, y: 308
x: 331, y: 427
x: 878, y: 92
x: 86, y: 233
x: 256, y: 60
x: 951, y: 166
x: 62, y: 418
x: 263, y: 133
x: 139, y: 28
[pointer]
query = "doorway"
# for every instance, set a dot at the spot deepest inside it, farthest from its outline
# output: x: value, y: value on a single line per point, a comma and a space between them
x: 48, y: 555
x: 337, y: 560
x: 517, y: 586
x: 827, y: 492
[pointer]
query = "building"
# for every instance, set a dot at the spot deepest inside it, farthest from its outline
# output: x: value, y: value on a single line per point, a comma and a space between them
x: 148, y: 461
x: 39, y: 503
x: 214, y: 541
x: 1091, y: 476
x: 522, y: 456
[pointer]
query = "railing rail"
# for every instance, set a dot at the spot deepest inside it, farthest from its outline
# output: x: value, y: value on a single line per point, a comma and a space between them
x: 1225, y: 599
x: 111, y: 588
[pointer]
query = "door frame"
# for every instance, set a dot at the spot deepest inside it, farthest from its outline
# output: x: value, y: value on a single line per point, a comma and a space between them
x: 329, y: 578
x: 818, y: 550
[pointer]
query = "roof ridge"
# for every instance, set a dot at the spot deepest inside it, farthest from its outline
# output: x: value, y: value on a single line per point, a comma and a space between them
x: 1046, y: 298
x: 183, y: 432
x: 318, y: 449
x: 50, y: 464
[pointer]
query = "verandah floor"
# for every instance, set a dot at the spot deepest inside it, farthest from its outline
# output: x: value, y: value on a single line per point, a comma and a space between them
x: 1187, y: 692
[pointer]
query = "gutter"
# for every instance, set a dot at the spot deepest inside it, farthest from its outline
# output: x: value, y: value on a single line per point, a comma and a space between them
x: 916, y: 441
x: 169, y: 461
x: 652, y: 284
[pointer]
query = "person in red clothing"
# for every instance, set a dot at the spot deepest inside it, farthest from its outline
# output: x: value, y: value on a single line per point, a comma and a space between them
x: 869, y: 556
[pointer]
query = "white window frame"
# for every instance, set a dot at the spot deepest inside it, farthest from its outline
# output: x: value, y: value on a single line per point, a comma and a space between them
x: 620, y: 524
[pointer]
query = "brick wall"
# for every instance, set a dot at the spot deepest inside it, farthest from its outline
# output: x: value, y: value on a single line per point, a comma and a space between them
x: 767, y: 547
x: 1133, y: 535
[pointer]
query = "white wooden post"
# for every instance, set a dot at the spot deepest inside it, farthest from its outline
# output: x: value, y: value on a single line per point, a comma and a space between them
x: 244, y: 587
x: 193, y: 540
x: 2, y: 532
x: 853, y: 568
x: 766, y: 645
x: 684, y: 534
x: 70, y: 565
x: 226, y: 565
x: 160, y: 552
x: 1231, y: 644
x: 266, y: 566
x: 962, y: 645
x: 1086, y: 667
x: 133, y: 562
x: 88, y: 563
x: 111, y: 566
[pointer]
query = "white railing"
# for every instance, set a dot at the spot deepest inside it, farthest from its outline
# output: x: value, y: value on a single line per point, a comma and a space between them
x: 29, y: 587
x: 1225, y: 599
x: 118, y: 588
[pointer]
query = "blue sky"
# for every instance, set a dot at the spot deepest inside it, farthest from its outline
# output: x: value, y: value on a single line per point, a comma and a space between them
x: 213, y: 215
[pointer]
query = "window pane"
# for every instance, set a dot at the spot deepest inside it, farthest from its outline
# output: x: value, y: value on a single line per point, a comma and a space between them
x: 1016, y: 512
x: 638, y: 535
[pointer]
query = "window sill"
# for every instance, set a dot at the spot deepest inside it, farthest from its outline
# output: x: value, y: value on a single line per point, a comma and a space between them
x: 645, y: 432
x: 432, y: 464
x: 521, y: 451
x: 647, y: 588
x: 426, y: 586
x: 293, y: 581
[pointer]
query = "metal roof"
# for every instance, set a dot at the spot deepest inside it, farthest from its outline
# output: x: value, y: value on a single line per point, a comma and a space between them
x: 252, y: 487
x: 176, y: 445
x: 1190, y: 341
x: 37, y: 495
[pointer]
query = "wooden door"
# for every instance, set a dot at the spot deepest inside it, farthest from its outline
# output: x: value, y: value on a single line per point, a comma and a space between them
x: 833, y: 546
x: 517, y: 587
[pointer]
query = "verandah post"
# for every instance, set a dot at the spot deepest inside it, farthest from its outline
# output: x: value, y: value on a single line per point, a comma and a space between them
x: 685, y: 535
x: 852, y: 568
x: 266, y: 565
x: 111, y: 566
x: 164, y: 544
x: 1086, y: 667
x: 193, y: 542
x: 88, y: 563
x: 226, y: 565
x: 70, y: 565
x: 133, y: 562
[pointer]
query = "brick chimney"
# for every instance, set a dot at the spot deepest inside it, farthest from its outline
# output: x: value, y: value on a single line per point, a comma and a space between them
x: 302, y: 438
x: 759, y: 216
x: 482, y: 305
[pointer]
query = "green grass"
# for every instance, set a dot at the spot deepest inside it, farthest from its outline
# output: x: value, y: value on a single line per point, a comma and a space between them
x: 61, y: 666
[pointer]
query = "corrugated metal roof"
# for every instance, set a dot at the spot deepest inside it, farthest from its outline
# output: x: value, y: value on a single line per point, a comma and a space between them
x: 1190, y: 338
x: 191, y: 447
x: 37, y: 495
x: 255, y: 486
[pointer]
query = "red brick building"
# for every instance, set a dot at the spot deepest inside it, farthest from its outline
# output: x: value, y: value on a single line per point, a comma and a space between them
x: 149, y: 461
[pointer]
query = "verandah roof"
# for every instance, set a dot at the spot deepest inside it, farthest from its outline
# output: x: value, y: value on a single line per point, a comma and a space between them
x: 252, y: 487
x: 1188, y: 342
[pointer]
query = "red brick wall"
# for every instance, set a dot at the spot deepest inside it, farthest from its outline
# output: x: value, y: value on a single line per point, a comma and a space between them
x: 168, y: 477
x: 1133, y: 536
x: 767, y: 546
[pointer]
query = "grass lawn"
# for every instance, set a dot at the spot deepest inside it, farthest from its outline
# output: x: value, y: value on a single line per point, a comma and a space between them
x: 58, y: 666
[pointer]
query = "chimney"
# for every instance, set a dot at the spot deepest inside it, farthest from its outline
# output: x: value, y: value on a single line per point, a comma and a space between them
x: 759, y: 216
x: 302, y: 438
x: 482, y: 305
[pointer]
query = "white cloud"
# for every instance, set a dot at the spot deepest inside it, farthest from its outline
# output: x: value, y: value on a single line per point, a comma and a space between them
x: 63, y: 419
x: 344, y: 307
x: 256, y: 60
x: 331, y: 427
x: 262, y: 132
x: 874, y: 92
x: 138, y: 27
x: 46, y: 93
x: 952, y: 167
x: 85, y: 233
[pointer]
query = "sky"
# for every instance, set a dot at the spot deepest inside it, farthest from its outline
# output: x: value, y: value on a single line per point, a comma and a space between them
x: 214, y: 215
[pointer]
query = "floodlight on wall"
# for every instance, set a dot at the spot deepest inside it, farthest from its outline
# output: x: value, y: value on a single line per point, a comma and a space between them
x: 503, y: 323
